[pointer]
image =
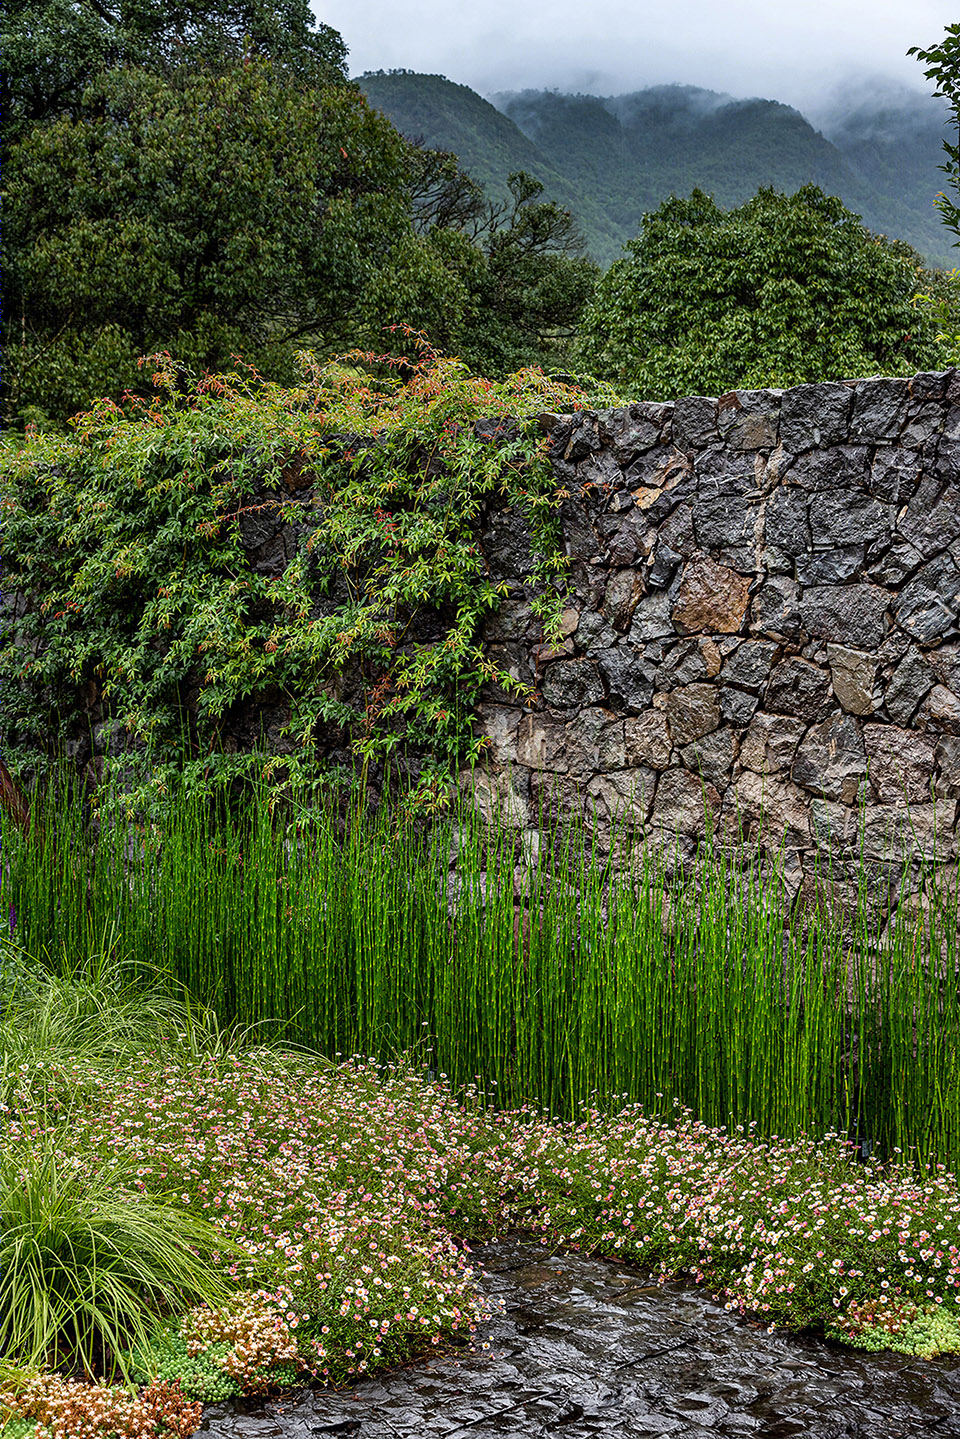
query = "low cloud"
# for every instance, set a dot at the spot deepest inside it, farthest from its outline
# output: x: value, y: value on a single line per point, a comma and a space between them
x: 790, y: 52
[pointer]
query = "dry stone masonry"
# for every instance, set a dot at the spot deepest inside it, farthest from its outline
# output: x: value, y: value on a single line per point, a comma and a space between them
x: 763, y: 630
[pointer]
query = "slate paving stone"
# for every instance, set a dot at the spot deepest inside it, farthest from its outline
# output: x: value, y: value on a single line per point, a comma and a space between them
x: 580, y: 1347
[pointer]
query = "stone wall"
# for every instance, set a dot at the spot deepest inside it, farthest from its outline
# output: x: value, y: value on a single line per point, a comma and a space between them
x: 764, y: 627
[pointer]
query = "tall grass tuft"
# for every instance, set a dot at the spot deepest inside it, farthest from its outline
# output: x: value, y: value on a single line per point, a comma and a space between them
x: 87, y: 1262
x: 361, y: 935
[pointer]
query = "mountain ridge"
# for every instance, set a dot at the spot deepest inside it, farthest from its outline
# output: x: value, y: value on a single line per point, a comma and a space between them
x: 610, y: 159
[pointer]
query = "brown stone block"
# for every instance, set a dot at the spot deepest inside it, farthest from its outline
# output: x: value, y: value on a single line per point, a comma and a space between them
x: 710, y: 598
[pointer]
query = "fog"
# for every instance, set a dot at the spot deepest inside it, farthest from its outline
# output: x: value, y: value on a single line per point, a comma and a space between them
x: 792, y: 52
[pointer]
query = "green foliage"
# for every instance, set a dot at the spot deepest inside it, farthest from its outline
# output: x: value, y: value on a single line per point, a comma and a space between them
x: 525, y: 280
x: 86, y: 1260
x: 199, y: 1375
x: 127, y: 542
x: 780, y: 291
x: 208, y: 211
x: 940, y: 304
x: 943, y: 68
x: 54, y: 48
x: 97, y: 1008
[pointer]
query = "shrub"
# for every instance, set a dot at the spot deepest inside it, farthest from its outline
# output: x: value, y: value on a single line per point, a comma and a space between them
x: 141, y: 606
x: 48, y: 1406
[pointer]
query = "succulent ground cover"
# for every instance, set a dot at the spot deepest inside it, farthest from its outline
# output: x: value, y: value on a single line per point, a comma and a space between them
x: 347, y: 1196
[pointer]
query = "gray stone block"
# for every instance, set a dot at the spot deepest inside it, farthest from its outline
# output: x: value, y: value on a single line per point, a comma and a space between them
x: 929, y: 385
x: 623, y: 796
x: 647, y: 740
x: 737, y: 706
x: 879, y: 410
x: 831, y: 760
x: 624, y: 589
x: 910, y: 681
x: 652, y: 620
x: 854, y: 674
x: 541, y: 742
x: 625, y: 539
x: 841, y: 467
x: 691, y: 711
x: 749, y: 665
x: 769, y: 745
x: 901, y: 763
x: 847, y: 614
x: 594, y: 633
x: 945, y: 663
x: 749, y: 419
x: 572, y: 682
x: 694, y: 422
x: 633, y: 430
x: 627, y: 679
x: 729, y: 526
x: 812, y: 416
x: 774, y: 812
x: 719, y: 471
x: 682, y: 803
x: 928, y: 606
x: 947, y: 756
x: 663, y: 567
x: 786, y: 523
x: 830, y: 566
x: 799, y: 688
x: 685, y: 663
x: 775, y: 608
x: 848, y: 517
x: 924, y: 423
x: 939, y: 710
x: 894, y: 475
x: 711, y: 757
x: 506, y: 543
x: 895, y: 565
x: 932, y: 518
x: 584, y: 437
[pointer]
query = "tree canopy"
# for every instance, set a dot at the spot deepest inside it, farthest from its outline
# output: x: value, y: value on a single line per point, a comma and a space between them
x: 203, y: 179
x: 206, y: 212
x: 943, y: 68
x: 781, y: 290
x: 54, y: 48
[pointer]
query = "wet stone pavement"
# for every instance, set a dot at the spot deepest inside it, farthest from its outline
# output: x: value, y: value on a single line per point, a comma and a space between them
x: 579, y: 1347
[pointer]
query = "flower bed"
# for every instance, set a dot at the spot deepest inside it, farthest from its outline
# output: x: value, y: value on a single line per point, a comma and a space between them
x: 347, y: 1197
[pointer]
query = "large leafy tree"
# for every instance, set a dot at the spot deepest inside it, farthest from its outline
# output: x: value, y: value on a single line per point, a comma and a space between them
x: 943, y: 68
x: 200, y: 177
x: 53, y: 48
x: 208, y: 211
x: 522, y: 265
x: 782, y: 290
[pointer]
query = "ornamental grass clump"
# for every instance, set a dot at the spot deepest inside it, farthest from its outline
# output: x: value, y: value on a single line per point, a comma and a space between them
x: 86, y: 1262
x: 96, y: 1009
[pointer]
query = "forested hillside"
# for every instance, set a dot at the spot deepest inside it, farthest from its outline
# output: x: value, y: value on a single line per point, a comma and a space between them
x: 613, y: 160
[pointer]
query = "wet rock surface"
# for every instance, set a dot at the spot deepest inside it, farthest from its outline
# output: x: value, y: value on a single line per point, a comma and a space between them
x: 580, y: 1347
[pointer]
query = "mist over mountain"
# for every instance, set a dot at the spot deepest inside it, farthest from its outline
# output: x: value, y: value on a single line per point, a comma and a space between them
x: 611, y: 159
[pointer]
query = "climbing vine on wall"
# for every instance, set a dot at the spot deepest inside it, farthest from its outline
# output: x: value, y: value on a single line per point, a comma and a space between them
x: 138, y: 613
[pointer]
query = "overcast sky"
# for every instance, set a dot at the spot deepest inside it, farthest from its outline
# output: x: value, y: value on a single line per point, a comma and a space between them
x: 779, y: 49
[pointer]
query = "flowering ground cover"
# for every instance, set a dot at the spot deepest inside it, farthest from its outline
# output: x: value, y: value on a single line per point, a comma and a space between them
x: 347, y: 1197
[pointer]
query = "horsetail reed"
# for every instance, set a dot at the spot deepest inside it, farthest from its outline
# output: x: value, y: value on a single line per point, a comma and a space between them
x: 585, y: 974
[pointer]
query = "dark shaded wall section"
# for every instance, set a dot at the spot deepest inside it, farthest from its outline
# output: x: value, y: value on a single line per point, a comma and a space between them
x: 763, y: 630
